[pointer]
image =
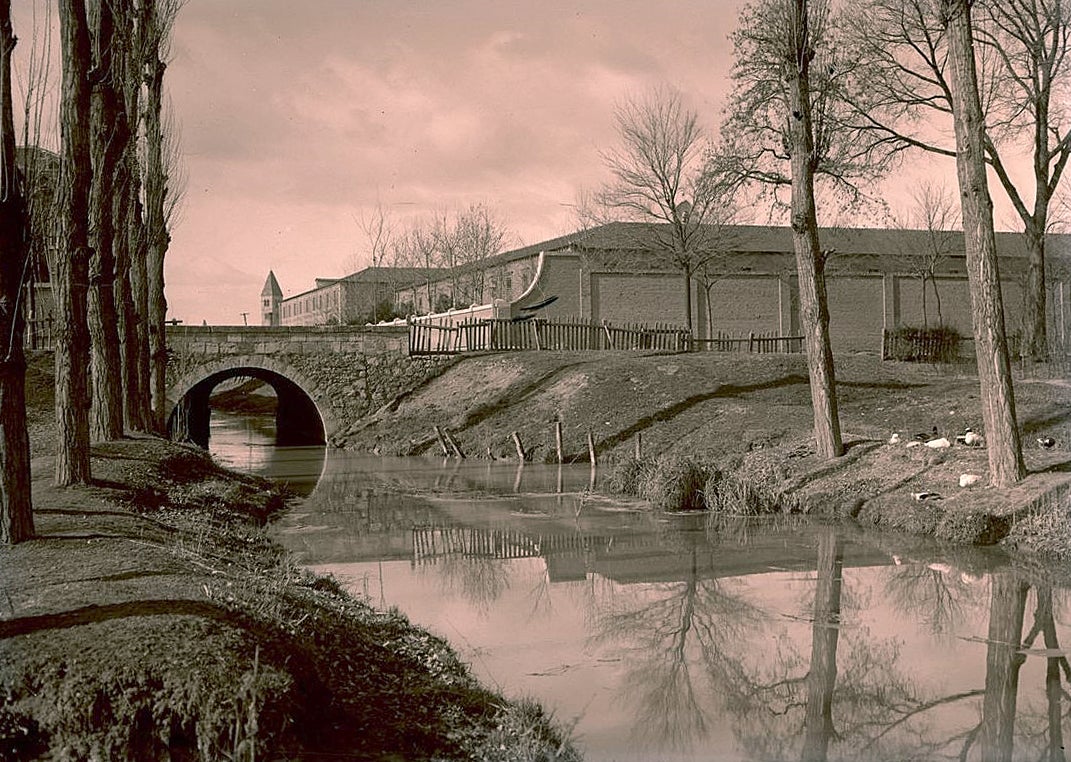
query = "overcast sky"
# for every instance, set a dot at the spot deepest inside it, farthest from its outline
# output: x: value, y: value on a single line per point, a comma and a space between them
x: 297, y: 118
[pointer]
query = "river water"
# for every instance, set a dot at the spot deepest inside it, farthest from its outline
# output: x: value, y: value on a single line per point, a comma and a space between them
x: 662, y: 637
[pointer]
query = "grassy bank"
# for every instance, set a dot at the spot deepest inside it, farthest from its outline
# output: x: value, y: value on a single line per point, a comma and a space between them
x: 153, y: 619
x: 733, y: 433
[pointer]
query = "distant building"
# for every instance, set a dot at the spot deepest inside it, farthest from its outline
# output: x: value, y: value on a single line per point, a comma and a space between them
x: 357, y: 298
x: 617, y: 273
x: 271, y: 297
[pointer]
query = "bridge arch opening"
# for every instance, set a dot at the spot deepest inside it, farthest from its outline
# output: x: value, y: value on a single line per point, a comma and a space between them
x: 297, y: 418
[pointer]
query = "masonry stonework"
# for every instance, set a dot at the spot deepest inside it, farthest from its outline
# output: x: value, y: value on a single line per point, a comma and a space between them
x: 346, y: 372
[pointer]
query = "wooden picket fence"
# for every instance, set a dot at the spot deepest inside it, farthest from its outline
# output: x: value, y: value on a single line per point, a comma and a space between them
x: 427, y: 337
x: 755, y: 343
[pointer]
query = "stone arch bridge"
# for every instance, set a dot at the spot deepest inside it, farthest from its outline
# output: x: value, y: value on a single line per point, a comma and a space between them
x: 325, y: 378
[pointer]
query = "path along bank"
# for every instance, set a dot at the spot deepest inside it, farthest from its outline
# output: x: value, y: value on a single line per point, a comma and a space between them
x: 153, y: 619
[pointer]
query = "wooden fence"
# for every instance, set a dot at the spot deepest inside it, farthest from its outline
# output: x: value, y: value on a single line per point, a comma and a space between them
x: 932, y: 346
x: 431, y: 337
x: 756, y: 343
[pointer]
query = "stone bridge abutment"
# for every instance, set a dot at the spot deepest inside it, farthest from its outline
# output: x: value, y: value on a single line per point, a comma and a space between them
x: 325, y: 378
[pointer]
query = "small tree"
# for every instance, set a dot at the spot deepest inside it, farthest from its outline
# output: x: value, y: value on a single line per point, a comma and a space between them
x: 658, y: 174
x: 479, y: 236
x: 936, y: 213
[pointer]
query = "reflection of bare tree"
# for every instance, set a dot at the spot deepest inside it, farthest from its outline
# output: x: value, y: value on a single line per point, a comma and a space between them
x: 1057, y: 670
x: 930, y: 595
x: 825, y: 632
x: 675, y: 641
x: 1002, y: 663
x: 480, y: 579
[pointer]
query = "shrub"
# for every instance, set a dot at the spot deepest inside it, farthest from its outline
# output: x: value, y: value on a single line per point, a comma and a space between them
x: 674, y: 483
x: 752, y: 487
x: 913, y: 344
x: 626, y: 476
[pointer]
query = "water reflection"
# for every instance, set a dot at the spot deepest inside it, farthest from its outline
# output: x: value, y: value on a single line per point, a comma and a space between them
x: 668, y: 639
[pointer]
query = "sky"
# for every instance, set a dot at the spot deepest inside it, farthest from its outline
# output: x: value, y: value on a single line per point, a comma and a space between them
x: 297, y: 120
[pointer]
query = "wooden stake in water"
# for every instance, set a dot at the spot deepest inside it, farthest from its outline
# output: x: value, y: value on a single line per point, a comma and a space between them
x: 558, y: 440
x: 639, y: 445
x: 442, y: 441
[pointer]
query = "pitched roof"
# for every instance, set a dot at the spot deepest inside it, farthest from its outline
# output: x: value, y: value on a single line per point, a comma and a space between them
x: 644, y: 236
x: 271, y: 287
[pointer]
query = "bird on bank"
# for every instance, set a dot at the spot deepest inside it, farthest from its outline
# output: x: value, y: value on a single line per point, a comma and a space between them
x: 923, y: 497
x: 970, y: 438
x: 1046, y: 443
x: 924, y: 437
x: 938, y: 444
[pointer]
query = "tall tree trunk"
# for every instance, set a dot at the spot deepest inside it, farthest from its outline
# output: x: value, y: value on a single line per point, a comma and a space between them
x: 126, y: 317
x: 136, y: 334
x: 810, y: 261
x: 1034, y: 339
x: 825, y: 633
x: 16, y: 510
x: 72, y: 263
x: 987, y: 310
x: 108, y: 142
x: 1002, y: 663
x: 157, y: 236
x: 688, y: 300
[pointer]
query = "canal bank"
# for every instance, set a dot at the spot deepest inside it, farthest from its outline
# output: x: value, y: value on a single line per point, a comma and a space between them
x: 154, y: 619
x: 747, y: 419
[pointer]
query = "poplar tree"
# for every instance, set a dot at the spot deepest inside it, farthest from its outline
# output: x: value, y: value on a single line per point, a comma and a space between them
x: 108, y: 140
x: 71, y: 272
x: 16, y: 512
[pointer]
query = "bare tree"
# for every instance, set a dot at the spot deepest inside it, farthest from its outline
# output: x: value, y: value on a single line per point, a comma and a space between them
x: 479, y: 236
x: 658, y: 174
x: 158, y: 18
x: 72, y: 263
x: 107, y: 140
x: 128, y: 242
x: 935, y: 211
x: 1024, y: 88
x: 16, y: 509
x: 777, y: 46
x: 987, y: 310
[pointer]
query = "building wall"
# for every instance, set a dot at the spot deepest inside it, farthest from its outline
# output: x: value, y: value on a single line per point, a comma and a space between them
x: 855, y: 314
x: 740, y: 305
x: 638, y: 298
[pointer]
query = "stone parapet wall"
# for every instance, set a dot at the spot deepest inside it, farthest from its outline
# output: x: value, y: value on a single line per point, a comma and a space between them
x: 347, y: 373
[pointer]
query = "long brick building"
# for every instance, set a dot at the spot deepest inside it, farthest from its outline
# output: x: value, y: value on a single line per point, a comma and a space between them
x: 620, y: 273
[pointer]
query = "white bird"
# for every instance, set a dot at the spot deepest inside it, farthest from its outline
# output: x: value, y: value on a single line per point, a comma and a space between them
x: 969, y: 480
x: 971, y: 438
x: 895, y: 438
x: 939, y: 444
x: 924, y: 496
x: 914, y: 443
